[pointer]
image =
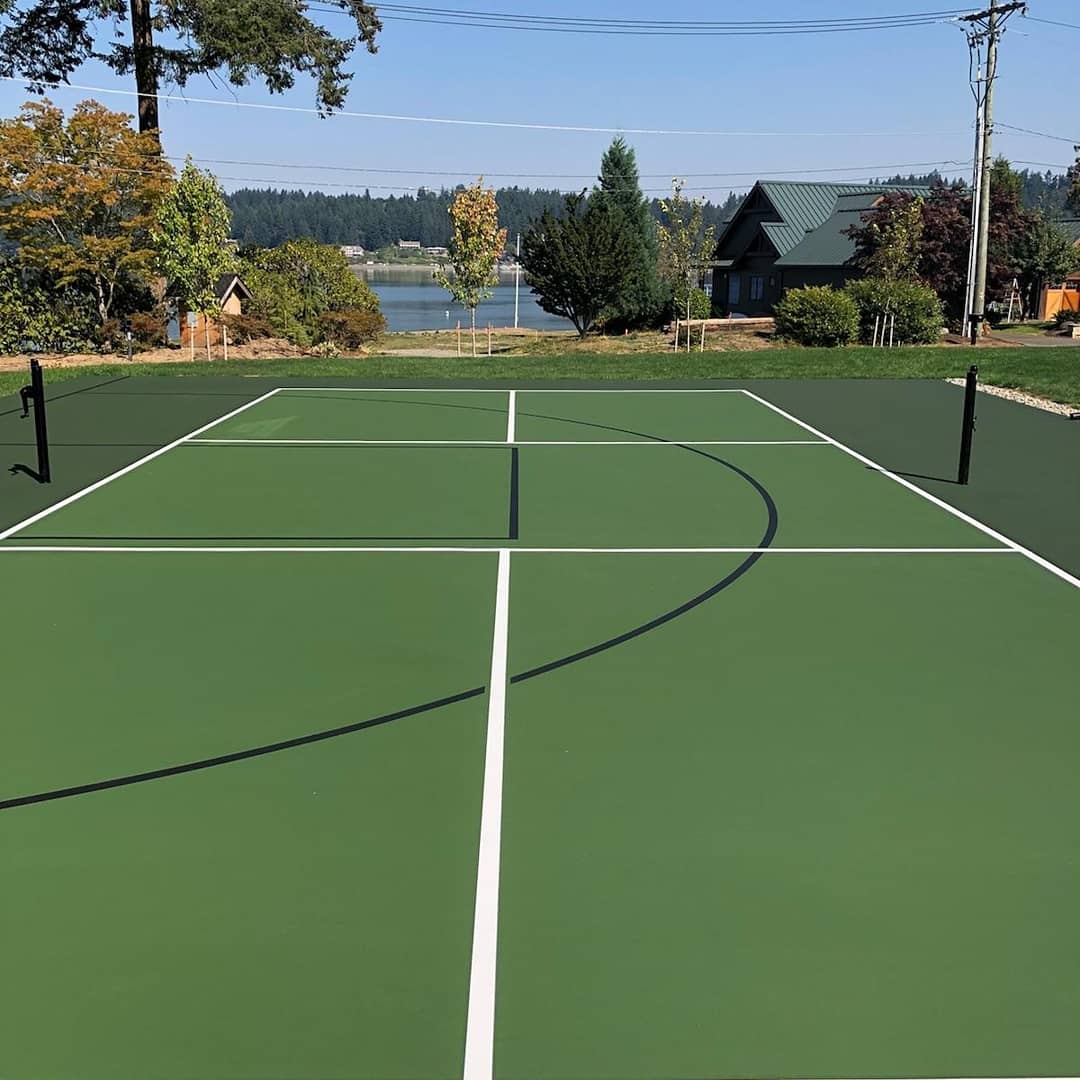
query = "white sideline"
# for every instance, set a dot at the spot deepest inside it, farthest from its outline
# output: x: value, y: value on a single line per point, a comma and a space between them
x: 480, y: 1024
x: 197, y: 549
x: 128, y: 468
x: 485, y: 390
x: 677, y: 443
x: 1000, y: 537
x: 511, y: 416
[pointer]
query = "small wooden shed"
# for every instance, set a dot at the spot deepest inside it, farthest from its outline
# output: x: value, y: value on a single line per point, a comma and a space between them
x: 231, y: 294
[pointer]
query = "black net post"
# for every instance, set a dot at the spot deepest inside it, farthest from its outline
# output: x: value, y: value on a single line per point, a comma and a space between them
x: 968, y: 431
x: 34, y: 396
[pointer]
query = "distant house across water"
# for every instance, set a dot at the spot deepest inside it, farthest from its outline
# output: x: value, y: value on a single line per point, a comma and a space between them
x: 352, y: 251
x: 408, y: 245
x: 787, y: 234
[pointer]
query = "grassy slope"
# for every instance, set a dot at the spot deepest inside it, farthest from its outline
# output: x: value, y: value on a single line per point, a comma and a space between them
x: 1052, y: 373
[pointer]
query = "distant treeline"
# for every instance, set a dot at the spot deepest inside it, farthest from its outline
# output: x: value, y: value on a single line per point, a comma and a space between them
x: 1041, y: 191
x: 268, y: 217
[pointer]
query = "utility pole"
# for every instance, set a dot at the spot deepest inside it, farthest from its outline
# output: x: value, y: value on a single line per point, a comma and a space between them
x: 517, y: 280
x: 986, y: 28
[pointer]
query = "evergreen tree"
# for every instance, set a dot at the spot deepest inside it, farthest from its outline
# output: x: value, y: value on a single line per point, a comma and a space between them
x: 576, y: 264
x: 641, y: 299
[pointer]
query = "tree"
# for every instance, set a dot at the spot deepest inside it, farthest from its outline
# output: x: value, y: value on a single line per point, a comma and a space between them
x: 191, y: 236
x: 890, y: 247
x: 686, y: 244
x: 576, y: 263
x: 78, y: 199
x: 296, y: 283
x: 45, y: 41
x: 476, y: 242
x: 641, y: 298
x: 946, y: 236
x: 1072, y: 198
x: 1044, y: 255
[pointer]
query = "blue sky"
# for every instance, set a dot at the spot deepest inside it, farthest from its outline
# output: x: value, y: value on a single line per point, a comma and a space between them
x: 909, y: 85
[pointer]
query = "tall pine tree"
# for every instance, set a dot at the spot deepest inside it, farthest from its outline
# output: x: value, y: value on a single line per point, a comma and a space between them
x: 641, y: 300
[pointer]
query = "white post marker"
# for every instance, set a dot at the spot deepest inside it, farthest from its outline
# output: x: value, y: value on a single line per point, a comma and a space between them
x: 480, y: 1022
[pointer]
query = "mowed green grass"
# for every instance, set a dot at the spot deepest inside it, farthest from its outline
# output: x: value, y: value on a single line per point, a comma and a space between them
x: 1052, y: 373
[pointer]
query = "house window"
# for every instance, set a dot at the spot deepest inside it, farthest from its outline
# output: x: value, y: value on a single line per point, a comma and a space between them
x: 757, y: 288
x: 734, y: 289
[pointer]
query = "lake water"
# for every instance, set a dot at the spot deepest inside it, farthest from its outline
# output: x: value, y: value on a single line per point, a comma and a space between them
x: 416, y: 302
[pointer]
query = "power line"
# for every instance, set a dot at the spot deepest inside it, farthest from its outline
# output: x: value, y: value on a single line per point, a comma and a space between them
x: 1038, y: 134
x: 652, y: 28
x: 1052, y: 22
x: 503, y: 124
x: 277, y: 182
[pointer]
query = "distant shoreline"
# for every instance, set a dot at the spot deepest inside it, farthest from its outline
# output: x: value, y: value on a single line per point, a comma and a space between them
x: 410, y: 268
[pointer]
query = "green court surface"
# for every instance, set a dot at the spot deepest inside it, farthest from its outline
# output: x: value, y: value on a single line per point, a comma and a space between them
x: 532, y: 735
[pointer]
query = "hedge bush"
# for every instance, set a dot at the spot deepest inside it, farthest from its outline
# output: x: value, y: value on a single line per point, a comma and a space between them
x: 817, y: 316
x: 351, y: 328
x: 918, y: 311
x: 33, y: 318
x: 1066, y: 318
x: 244, y: 328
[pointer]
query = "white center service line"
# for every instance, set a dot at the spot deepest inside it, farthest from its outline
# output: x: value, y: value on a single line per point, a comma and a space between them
x: 480, y: 1024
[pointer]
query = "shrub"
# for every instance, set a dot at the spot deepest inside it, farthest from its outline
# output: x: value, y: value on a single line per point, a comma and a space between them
x: 351, y: 328
x: 817, y: 315
x: 918, y: 311
x: 1066, y: 318
x: 700, y: 304
x: 244, y: 328
x: 148, y: 329
x: 33, y: 317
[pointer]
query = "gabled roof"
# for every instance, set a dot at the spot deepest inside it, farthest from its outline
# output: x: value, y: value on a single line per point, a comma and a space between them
x: 230, y: 283
x: 805, y: 205
x: 829, y: 244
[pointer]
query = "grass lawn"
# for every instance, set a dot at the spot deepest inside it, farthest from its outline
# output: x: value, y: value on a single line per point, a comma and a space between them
x: 1051, y: 373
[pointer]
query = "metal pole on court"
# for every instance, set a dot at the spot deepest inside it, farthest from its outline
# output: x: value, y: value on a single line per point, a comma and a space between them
x: 968, y: 431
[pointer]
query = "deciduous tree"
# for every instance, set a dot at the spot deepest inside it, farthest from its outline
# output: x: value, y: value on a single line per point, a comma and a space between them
x: 297, y: 282
x: 576, y: 263
x: 169, y: 41
x: 78, y: 199
x: 686, y: 244
x: 191, y: 236
x: 476, y: 242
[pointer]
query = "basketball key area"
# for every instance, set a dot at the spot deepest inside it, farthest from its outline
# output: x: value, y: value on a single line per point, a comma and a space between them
x: 555, y: 734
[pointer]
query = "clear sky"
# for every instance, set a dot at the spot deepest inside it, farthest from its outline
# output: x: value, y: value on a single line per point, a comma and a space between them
x: 863, y: 102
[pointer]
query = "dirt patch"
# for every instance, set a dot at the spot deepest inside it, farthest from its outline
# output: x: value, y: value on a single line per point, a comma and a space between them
x: 263, y: 349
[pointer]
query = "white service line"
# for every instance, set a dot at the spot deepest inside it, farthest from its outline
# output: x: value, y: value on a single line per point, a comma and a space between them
x: 292, y: 550
x: 128, y: 468
x: 511, y: 416
x: 677, y: 443
x: 1000, y: 537
x: 480, y: 1023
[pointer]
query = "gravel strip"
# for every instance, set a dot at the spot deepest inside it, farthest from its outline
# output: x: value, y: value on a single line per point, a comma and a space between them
x: 1020, y: 396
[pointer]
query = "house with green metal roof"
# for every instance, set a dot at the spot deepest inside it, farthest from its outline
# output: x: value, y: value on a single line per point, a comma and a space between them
x: 786, y: 234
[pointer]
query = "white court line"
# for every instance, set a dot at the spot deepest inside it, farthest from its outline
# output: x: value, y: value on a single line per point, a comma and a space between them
x: 1000, y: 537
x: 480, y: 1025
x: 677, y: 443
x: 484, y: 390
x: 511, y: 416
x: 128, y: 468
x: 293, y: 550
